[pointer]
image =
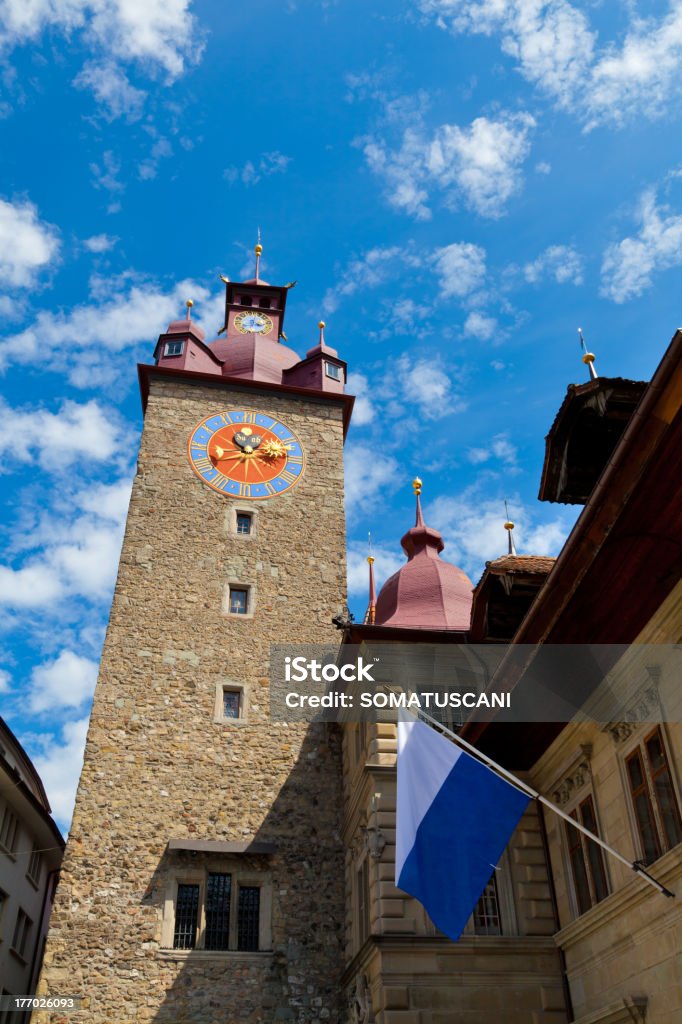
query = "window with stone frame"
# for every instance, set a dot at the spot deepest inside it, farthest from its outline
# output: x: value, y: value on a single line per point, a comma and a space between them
x: 487, y: 916
x: 362, y: 905
x: 239, y: 600
x: 652, y: 796
x: 585, y: 857
x: 218, y: 910
x: 9, y: 828
x: 22, y: 931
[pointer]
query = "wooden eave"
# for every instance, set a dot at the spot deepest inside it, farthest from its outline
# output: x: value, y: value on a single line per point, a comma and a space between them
x: 627, y: 542
x: 147, y: 373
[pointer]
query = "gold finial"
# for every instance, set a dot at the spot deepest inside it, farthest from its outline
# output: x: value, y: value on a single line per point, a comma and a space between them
x: 417, y: 486
x: 370, y: 560
x: 588, y: 357
x: 258, y: 249
x: 509, y: 527
x: 322, y: 325
x: 189, y: 304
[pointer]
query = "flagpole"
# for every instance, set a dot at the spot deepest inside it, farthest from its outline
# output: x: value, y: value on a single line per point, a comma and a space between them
x: 533, y: 793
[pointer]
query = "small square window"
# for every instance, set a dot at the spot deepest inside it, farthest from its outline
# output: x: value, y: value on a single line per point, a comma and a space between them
x: 231, y: 703
x: 173, y: 348
x: 246, y: 300
x: 333, y: 371
x: 244, y: 522
x: 238, y: 601
x: 264, y: 303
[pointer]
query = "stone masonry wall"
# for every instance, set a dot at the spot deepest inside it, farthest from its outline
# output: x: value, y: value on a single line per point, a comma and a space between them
x: 157, y: 765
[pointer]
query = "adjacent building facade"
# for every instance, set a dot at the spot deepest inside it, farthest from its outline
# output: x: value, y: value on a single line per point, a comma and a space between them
x: 31, y: 848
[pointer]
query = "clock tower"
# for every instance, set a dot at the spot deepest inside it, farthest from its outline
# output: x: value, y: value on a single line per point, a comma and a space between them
x: 203, y: 876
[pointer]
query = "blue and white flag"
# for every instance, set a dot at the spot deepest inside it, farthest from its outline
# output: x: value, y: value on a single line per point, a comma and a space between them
x: 455, y: 817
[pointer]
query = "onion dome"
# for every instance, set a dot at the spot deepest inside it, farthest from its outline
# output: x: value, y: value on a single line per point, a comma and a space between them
x: 426, y: 593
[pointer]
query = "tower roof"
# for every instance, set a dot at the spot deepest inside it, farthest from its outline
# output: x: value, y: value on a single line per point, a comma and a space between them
x: 426, y: 593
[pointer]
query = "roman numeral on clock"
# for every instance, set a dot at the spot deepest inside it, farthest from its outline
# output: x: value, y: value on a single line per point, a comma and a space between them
x: 203, y: 465
x: 289, y: 478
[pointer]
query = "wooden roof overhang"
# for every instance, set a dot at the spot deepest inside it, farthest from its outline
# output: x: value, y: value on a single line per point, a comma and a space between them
x: 620, y: 562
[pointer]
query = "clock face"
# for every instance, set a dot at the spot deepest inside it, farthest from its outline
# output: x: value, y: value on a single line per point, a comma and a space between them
x: 245, y: 454
x: 253, y: 323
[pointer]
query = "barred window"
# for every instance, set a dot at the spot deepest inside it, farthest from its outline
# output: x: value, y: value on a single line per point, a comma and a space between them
x: 238, y: 601
x: 186, y: 917
x: 218, y: 913
x: 487, y: 919
x: 249, y: 917
x: 231, y: 703
x: 653, y: 797
x: 244, y: 522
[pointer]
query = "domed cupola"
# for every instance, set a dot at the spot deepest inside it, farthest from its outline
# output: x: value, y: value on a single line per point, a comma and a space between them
x: 426, y: 593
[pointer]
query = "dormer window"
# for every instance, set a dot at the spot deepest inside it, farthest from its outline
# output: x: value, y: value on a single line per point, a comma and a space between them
x: 333, y: 371
x: 173, y: 348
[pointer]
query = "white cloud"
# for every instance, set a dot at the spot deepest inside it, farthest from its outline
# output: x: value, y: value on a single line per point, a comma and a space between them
x: 642, y: 77
x: 57, y: 440
x: 5, y: 679
x: 60, y: 767
x: 369, y: 475
x: 66, y: 682
x: 473, y: 529
x: 460, y: 268
x: 500, y: 448
x: 479, y: 325
x: 108, y: 501
x: 479, y: 165
x: 27, y: 244
x: 253, y: 172
x: 386, y: 562
x: 628, y: 266
x: 562, y: 262
x: 81, y: 342
x: 371, y: 270
x: 482, y: 162
x: 157, y: 33
x: 33, y: 586
x: 99, y: 243
x: 363, y: 410
x: 116, y: 96
x: 554, y: 47
x: 543, y: 167
x: 428, y: 386
x: 149, y: 167
x: 106, y: 174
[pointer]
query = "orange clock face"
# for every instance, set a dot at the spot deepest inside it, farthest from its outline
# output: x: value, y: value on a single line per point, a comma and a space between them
x: 245, y: 454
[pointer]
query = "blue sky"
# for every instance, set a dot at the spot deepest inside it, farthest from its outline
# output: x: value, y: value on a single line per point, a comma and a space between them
x: 456, y: 187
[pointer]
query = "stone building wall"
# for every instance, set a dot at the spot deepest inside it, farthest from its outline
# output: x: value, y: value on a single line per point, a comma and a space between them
x: 407, y: 971
x: 158, y: 766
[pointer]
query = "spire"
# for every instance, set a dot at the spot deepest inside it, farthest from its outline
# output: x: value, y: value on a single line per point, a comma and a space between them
x: 588, y: 357
x: 371, y: 607
x: 258, y: 249
x: 189, y: 305
x: 421, y: 538
x: 509, y: 527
